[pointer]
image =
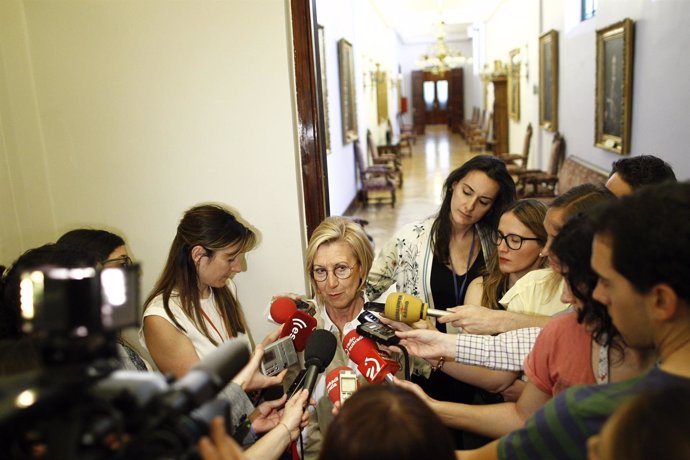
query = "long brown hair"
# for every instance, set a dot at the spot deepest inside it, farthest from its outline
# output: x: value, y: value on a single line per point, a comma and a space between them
x: 531, y: 214
x: 213, y: 228
x: 493, y: 167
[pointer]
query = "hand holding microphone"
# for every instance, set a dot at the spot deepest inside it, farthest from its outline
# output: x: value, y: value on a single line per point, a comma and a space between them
x: 408, y: 309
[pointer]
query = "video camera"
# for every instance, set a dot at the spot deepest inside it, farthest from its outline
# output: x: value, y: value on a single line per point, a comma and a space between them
x: 78, y: 404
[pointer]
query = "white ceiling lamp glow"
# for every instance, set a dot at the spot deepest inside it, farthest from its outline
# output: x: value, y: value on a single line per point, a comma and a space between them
x: 440, y: 57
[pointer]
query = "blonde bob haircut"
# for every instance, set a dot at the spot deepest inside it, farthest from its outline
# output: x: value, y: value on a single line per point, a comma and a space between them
x: 337, y: 228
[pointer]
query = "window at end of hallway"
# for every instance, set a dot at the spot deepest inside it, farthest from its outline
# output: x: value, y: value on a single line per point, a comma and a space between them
x: 589, y: 9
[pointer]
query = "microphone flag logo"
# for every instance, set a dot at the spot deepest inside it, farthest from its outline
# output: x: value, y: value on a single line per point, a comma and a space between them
x: 298, y: 324
x: 373, y: 367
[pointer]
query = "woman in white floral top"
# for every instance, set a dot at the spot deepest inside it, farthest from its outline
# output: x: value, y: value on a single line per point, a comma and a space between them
x: 435, y: 259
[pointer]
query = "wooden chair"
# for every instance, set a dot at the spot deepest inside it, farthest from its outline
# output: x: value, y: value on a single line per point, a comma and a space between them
x: 480, y: 137
x: 386, y: 155
x: 404, y: 144
x: 517, y: 162
x: 468, y: 125
x: 535, y: 183
x: 406, y: 131
x: 377, y: 178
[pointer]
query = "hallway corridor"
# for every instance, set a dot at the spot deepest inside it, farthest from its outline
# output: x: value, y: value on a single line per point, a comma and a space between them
x: 434, y: 156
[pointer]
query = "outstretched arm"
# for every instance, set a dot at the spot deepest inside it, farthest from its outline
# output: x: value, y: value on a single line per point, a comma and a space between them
x: 476, y: 319
x: 492, y: 420
x: 505, y: 351
x: 487, y: 452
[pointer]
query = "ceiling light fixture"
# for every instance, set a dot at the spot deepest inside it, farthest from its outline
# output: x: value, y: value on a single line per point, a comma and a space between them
x: 439, y: 57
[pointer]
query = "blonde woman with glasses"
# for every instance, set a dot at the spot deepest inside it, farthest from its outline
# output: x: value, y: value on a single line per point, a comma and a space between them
x: 338, y: 260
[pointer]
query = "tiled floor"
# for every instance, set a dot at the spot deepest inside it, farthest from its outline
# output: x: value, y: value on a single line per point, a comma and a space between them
x: 434, y: 156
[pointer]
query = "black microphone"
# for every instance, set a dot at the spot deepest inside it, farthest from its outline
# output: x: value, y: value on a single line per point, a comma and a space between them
x: 206, y: 378
x: 317, y: 356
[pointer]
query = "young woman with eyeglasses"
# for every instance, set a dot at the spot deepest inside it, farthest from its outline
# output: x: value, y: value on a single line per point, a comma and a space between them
x: 109, y: 251
x: 108, y: 248
x: 519, y: 240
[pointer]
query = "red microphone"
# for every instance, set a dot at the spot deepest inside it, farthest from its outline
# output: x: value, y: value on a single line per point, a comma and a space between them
x: 341, y: 382
x: 299, y: 327
x: 363, y: 351
x: 282, y: 308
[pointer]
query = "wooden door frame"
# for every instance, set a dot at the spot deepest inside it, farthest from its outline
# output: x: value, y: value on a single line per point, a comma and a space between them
x: 310, y: 116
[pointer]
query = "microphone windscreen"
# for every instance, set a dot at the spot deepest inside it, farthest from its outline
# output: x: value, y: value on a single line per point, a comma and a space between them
x: 333, y: 383
x: 357, y: 347
x: 320, y: 349
x: 365, y: 354
x: 299, y: 327
x: 282, y: 308
x: 404, y: 307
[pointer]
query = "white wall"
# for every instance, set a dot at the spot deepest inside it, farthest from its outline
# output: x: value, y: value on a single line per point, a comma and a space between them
x: 661, y: 91
x: 516, y: 25
x: 372, y: 41
x: 337, y: 18
x: 122, y: 114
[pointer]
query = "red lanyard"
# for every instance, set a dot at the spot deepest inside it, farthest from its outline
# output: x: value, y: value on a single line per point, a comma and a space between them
x: 212, y: 325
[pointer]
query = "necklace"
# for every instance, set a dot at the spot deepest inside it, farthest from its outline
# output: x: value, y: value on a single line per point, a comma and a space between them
x: 458, y: 293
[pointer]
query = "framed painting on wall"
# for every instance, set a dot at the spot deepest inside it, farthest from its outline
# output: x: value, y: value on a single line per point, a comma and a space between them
x: 514, y: 84
x: 548, y: 77
x: 613, y: 103
x: 324, y: 86
x: 348, y: 109
x: 381, y: 95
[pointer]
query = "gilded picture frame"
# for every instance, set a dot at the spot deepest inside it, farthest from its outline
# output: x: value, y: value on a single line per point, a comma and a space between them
x: 614, y: 81
x: 381, y: 95
x: 348, y: 106
x: 548, y: 80
x: 514, y: 84
x: 321, y: 35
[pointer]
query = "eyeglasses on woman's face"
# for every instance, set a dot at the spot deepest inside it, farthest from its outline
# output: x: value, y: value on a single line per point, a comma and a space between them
x: 123, y: 261
x: 341, y: 271
x: 512, y: 240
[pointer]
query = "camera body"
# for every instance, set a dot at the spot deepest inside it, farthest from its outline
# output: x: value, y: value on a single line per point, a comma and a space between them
x: 75, y: 313
x: 78, y: 405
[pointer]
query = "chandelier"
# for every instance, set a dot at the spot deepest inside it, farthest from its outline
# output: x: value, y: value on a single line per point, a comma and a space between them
x: 439, y: 57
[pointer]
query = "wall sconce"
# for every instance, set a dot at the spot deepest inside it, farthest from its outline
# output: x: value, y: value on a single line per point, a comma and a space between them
x: 521, y: 61
x: 377, y: 77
